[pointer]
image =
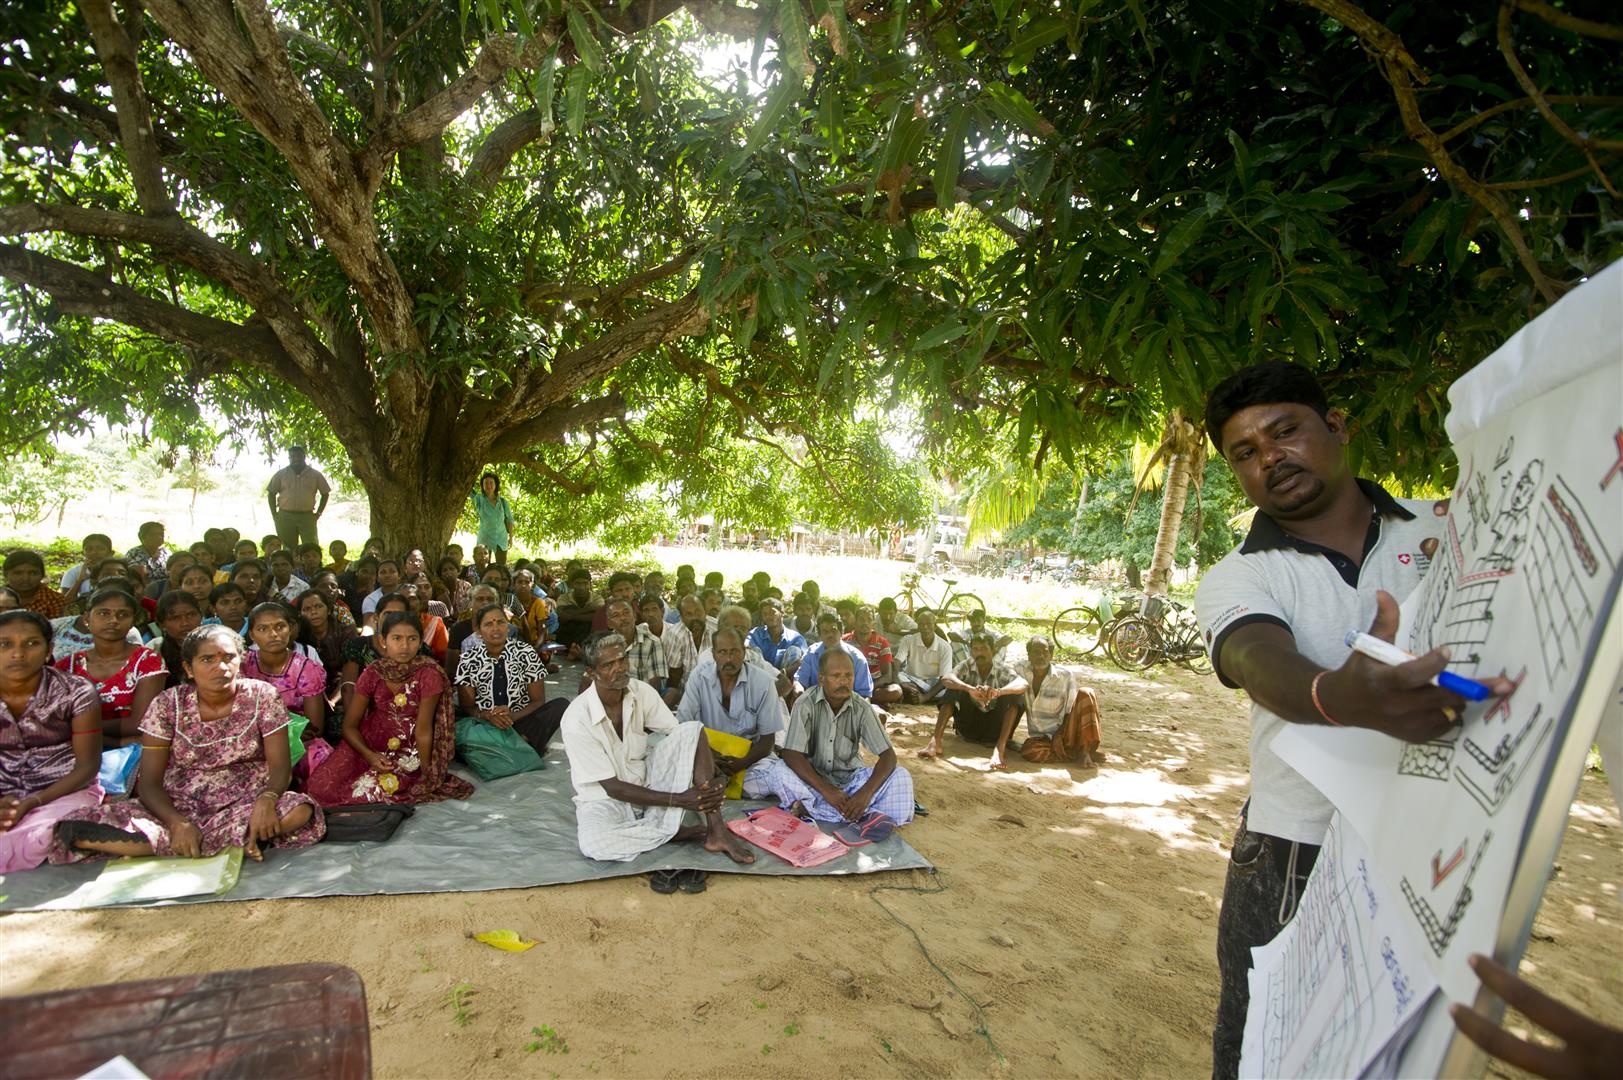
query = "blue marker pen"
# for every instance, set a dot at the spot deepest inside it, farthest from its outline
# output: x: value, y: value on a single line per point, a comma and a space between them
x: 1388, y: 653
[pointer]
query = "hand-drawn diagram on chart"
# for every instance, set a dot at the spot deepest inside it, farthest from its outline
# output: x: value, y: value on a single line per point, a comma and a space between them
x: 1523, y: 583
x: 1328, y: 990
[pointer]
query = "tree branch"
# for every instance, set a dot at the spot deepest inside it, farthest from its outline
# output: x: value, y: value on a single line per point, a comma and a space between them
x: 498, y: 56
x: 1561, y: 19
x: 729, y: 19
x: 505, y: 140
x: 1523, y: 102
x: 560, y: 480
x: 574, y: 369
x: 552, y: 424
x: 316, y: 369
x: 1585, y: 145
x: 1402, y: 72
x: 134, y: 113
x: 239, y: 49
x: 78, y: 291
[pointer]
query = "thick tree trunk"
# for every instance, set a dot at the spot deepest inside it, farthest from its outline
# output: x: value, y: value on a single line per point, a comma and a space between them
x: 1183, y: 452
x: 416, y: 503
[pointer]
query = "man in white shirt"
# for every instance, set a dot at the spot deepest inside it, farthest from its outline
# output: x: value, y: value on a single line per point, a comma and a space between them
x: 79, y: 581
x: 1327, y: 553
x: 630, y: 797
x: 925, y: 658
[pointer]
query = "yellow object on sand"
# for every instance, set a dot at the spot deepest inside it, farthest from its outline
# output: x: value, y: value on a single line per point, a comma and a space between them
x: 733, y: 746
x: 505, y: 940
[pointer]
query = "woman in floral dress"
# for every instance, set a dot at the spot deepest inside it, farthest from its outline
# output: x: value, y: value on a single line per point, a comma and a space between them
x: 50, y: 741
x: 399, y: 729
x: 214, y: 770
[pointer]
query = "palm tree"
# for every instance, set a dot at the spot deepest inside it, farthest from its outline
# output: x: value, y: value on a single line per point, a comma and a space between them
x: 1181, y: 456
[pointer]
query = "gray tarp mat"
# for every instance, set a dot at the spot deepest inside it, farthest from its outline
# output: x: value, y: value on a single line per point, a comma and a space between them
x: 512, y: 833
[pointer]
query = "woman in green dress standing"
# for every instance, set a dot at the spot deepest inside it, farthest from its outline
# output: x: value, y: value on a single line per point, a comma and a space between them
x: 495, y: 517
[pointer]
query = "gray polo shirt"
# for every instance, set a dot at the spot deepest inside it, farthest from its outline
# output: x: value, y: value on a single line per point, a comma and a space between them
x: 833, y: 742
x: 1318, y: 595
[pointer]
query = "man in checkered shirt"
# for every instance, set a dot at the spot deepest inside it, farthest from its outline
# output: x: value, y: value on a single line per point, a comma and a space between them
x: 645, y: 652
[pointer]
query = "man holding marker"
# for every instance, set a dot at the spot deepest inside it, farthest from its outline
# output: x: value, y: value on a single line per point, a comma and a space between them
x: 1326, y: 555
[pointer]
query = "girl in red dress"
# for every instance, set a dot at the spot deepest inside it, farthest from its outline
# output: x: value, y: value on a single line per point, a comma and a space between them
x: 399, y: 729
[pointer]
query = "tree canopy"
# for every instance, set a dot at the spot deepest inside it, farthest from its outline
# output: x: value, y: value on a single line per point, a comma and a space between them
x: 578, y: 242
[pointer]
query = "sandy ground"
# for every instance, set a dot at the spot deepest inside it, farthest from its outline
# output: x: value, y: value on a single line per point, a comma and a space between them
x: 1078, y: 910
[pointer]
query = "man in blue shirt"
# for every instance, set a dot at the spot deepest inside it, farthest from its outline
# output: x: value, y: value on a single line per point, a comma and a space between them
x: 829, y: 631
x: 781, y: 645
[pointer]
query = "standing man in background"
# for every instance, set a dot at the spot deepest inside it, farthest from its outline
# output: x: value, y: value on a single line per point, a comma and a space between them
x: 292, y: 496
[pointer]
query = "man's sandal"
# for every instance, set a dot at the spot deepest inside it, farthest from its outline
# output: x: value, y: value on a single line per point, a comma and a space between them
x: 691, y: 881
x: 665, y: 882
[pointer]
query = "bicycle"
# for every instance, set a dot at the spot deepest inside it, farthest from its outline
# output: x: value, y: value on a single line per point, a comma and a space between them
x: 1165, y: 632
x: 1079, y: 631
x: 952, y: 607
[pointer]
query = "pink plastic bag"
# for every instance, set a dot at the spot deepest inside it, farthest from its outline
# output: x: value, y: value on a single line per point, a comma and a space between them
x: 316, y: 751
x: 797, y: 842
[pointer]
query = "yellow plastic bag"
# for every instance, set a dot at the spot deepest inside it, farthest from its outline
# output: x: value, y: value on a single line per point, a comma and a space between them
x: 733, y: 746
x: 505, y: 940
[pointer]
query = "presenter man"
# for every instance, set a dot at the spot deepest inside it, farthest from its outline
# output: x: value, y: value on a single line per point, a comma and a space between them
x: 1327, y: 553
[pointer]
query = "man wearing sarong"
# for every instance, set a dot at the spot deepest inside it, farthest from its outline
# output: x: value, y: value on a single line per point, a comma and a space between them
x: 984, y: 701
x: 822, y: 774
x: 631, y: 796
x: 1062, y: 715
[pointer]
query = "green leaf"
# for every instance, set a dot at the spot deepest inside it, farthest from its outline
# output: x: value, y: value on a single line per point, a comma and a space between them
x: 791, y: 22
x: 1424, y: 233
x: 951, y: 158
x: 586, y: 45
x: 777, y: 106
x: 575, y: 84
x: 1242, y: 158
x: 546, y: 85
x: 1016, y: 108
x: 940, y: 334
x: 1179, y: 239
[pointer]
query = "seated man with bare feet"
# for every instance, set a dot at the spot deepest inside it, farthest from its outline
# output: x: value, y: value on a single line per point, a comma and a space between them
x: 984, y: 701
x: 1062, y: 715
x: 821, y: 774
x: 630, y: 797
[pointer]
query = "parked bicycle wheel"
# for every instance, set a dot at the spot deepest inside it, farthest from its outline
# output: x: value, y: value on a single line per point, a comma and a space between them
x: 957, y: 608
x: 1076, y: 632
x: 1134, y: 643
x: 1190, y: 649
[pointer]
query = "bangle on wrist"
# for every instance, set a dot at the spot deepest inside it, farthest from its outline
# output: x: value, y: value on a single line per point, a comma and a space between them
x: 272, y: 792
x: 1313, y: 691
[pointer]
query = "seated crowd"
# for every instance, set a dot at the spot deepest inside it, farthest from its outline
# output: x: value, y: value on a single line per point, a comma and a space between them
x: 180, y: 701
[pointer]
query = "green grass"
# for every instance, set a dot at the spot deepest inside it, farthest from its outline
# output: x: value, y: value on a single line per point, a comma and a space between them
x: 548, y: 1039
x: 459, y: 998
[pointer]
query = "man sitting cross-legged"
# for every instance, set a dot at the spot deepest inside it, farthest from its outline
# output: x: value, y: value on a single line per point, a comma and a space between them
x: 630, y: 797
x: 924, y: 659
x: 821, y: 773
x: 1062, y: 715
x: 740, y: 701
x: 984, y: 701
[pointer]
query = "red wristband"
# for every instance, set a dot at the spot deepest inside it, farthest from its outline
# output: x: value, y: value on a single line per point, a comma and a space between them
x: 1319, y: 705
